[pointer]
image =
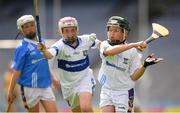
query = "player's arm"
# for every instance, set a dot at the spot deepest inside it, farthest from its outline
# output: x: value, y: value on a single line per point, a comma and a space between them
x: 114, y: 50
x: 15, y: 76
x: 45, y: 51
x: 138, y: 73
x: 150, y: 60
x: 47, y: 54
x: 55, y: 82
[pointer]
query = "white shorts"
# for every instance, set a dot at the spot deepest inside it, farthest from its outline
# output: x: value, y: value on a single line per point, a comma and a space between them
x: 31, y: 96
x: 87, y: 84
x: 122, y: 100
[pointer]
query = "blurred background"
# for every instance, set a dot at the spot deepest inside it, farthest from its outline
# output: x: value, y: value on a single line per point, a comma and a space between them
x: 158, y: 90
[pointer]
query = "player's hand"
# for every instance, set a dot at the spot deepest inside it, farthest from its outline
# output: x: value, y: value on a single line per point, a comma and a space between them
x: 11, y: 97
x: 41, y: 47
x: 150, y: 60
x: 56, y: 84
x: 92, y: 36
x: 141, y: 45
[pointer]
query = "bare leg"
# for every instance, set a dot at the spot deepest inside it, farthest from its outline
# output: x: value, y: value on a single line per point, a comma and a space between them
x: 49, y: 106
x: 85, y: 101
x: 108, y: 109
x: 34, y: 109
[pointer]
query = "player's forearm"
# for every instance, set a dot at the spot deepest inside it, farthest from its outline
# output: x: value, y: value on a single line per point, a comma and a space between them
x: 45, y: 51
x: 47, y: 54
x: 15, y: 76
x: 138, y: 73
x: 53, y: 78
x: 114, y: 50
x: 55, y: 82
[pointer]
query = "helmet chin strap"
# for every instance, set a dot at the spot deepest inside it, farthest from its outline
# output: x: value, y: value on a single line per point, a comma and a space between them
x: 117, y: 42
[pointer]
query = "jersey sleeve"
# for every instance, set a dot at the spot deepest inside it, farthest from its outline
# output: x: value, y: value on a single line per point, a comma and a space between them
x: 55, y: 48
x: 136, y: 61
x: 103, y: 46
x: 19, y: 58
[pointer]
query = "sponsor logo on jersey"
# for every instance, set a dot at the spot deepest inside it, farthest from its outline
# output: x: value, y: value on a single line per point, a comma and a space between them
x: 37, y: 60
x: 117, y: 67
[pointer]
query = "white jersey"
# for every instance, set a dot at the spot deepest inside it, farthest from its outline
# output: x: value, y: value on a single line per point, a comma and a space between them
x: 116, y: 70
x: 73, y: 62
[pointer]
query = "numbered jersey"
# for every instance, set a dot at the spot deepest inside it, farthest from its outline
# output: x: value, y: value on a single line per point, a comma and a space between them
x: 73, y: 62
x: 116, y: 70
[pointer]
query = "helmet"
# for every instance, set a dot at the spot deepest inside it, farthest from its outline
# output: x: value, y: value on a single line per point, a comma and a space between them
x: 23, y: 20
x: 118, y: 21
x: 67, y: 22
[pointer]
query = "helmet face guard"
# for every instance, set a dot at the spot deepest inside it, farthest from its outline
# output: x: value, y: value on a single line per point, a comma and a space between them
x: 67, y: 22
x: 121, y: 23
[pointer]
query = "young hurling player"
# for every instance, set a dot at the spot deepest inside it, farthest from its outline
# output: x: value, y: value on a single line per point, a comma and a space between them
x: 76, y: 78
x: 31, y: 70
x: 121, y: 67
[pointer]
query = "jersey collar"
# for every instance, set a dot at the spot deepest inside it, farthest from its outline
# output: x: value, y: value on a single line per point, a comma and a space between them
x: 74, y: 47
x: 30, y: 41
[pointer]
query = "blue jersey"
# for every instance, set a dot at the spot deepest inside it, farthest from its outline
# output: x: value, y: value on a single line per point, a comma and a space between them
x: 33, y: 66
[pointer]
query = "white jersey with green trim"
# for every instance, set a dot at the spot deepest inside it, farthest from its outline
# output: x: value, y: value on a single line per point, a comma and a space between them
x: 116, y: 70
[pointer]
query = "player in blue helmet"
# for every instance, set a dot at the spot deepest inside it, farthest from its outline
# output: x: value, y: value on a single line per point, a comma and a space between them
x: 31, y: 70
x: 121, y: 67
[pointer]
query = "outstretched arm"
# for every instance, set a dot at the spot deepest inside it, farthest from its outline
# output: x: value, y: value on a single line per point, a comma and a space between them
x: 113, y: 50
x: 150, y: 60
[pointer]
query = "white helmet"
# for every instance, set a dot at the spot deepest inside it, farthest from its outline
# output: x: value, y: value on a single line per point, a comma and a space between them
x: 23, y: 20
x: 67, y: 22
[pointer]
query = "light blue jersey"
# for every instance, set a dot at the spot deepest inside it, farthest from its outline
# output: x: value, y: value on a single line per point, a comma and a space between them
x: 33, y: 66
